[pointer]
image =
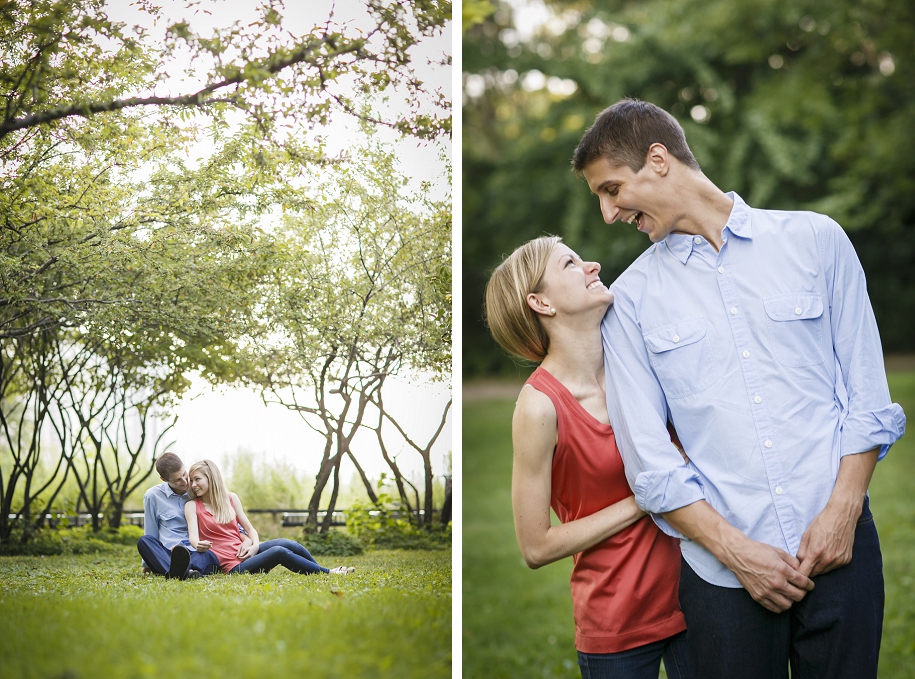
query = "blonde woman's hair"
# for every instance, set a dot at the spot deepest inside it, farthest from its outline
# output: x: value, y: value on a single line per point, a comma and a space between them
x: 513, y: 324
x: 219, y: 494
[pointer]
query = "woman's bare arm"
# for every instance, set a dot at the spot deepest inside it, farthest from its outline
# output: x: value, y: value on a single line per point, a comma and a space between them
x: 534, y: 432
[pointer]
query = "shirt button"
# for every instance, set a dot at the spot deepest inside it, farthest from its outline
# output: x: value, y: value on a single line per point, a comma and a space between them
x: 676, y: 338
x: 757, y: 399
x: 778, y: 490
x: 746, y: 354
x: 768, y: 443
x: 720, y: 269
x: 797, y: 310
x: 733, y: 310
x: 697, y: 240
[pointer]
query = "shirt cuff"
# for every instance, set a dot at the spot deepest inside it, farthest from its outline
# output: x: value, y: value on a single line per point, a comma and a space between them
x: 664, y: 491
x: 865, y: 431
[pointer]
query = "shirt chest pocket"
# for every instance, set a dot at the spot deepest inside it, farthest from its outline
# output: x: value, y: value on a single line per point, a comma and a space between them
x: 795, y: 323
x: 682, y: 356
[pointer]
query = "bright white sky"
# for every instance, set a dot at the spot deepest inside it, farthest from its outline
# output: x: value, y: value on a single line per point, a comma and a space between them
x: 217, y: 424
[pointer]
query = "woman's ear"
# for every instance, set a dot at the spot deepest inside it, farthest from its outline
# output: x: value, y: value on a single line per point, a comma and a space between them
x: 540, y: 305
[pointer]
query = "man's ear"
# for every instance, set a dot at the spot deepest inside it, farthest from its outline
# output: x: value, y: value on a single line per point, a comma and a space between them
x: 539, y: 304
x: 658, y: 159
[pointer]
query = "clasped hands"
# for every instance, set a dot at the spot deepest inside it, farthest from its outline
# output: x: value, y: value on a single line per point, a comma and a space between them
x: 776, y: 580
x: 246, y: 550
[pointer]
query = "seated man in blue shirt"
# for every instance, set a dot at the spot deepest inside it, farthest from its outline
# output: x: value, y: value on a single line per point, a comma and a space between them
x: 166, y: 549
x: 752, y: 332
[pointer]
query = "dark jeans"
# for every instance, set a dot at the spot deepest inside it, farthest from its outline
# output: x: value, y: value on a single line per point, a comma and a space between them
x: 833, y: 633
x: 643, y: 662
x: 275, y: 553
x: 158, y: 558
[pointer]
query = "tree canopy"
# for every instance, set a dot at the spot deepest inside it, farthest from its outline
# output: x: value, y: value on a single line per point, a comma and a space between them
x: 145, y: 183
x: 794, y: 105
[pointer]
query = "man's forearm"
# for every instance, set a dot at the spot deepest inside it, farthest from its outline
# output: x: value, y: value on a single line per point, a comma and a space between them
x: 855, y: 473
x: 703, y: 525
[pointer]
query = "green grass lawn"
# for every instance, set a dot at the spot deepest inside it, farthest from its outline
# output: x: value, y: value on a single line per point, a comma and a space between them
x: 70, y: 617
x: 518, y: 622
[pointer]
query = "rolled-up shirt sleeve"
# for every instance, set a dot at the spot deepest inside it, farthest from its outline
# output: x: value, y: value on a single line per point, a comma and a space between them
x: 660, y: 479
x: 871, y: 420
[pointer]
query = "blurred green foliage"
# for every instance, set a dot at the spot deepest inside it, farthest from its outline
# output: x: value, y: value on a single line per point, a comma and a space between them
x: 387, y: 525
x: 794, y: 104
x: 64, y: 540
x: 332, y: 543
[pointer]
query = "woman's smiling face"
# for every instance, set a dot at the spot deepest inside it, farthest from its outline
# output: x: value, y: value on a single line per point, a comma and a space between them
x: 571, y: 285
x: 199, y: 483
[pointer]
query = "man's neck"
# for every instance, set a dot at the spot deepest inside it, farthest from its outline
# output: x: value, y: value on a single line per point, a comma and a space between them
x: 704, y: 208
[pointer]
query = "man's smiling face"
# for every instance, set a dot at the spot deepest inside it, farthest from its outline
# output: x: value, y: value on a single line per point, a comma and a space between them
x: 178, y: 481
x: 628, y: 196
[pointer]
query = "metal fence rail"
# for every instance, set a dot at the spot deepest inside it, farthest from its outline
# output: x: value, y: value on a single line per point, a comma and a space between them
x: 287, y: 517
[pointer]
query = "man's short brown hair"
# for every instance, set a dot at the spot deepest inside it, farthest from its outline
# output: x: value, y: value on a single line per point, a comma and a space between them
x: 624, y: 132
x: 167, y: 464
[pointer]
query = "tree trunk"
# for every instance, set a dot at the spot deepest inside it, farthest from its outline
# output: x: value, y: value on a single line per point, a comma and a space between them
x: 329, y: 516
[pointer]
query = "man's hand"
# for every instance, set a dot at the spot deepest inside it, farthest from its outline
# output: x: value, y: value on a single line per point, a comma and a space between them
x: 827, y: 543
x: 771, y: 575
x: 203, y: 545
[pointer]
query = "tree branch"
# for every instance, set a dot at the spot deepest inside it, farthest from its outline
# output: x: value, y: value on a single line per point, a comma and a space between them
x: 272, y: 64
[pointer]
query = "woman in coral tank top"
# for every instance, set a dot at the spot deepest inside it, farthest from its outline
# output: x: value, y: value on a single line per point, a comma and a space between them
x: 213, y: 517
x: 544, y: 304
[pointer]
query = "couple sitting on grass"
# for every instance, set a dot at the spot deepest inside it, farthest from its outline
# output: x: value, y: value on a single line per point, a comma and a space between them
x: 195, y: 526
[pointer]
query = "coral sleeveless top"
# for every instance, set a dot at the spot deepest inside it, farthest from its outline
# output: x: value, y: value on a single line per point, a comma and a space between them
x: 225, y: 536
x: 624, y: 589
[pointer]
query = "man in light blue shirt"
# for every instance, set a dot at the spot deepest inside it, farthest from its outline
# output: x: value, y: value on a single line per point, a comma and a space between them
x: 165, y: 548
x: 752, y: 333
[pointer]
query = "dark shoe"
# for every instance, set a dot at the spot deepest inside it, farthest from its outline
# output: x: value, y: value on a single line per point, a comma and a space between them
x: 181, y: 559
x: 193, y: 575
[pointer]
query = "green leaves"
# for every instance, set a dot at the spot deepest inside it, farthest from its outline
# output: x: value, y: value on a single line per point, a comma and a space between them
x: 792, y: 105
x: 68, y: 60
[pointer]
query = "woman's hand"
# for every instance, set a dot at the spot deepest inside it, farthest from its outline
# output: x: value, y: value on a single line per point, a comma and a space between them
x: 247, y: 550
x: 243, y: 551
x: 203, y: 545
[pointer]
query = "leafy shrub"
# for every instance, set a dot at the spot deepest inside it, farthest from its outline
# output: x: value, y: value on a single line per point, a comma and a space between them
x: 70, y: 541
x: 333, y: 543
x: 387, y: 526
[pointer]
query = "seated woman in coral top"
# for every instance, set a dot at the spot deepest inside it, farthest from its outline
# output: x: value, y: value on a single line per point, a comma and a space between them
x: 212, y: 523
x: 544, y: 304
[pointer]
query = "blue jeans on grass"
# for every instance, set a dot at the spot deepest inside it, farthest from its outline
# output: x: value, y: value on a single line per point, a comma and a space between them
x: 643, y: 662
x: 832, y: 633
x: 280, y: 552
x: 158, y: 559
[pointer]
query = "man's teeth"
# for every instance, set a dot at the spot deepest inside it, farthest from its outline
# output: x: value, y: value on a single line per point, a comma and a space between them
x: 595, y: 284
x: 634, y: 218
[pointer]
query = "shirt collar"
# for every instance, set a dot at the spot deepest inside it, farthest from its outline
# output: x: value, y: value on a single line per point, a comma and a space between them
x: 681, y: 244
x: 739, y: 221
x: 169, y: 492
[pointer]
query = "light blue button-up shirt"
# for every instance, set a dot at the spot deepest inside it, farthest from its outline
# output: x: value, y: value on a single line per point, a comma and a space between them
x: 164, y: 519
x: 766, y: 358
